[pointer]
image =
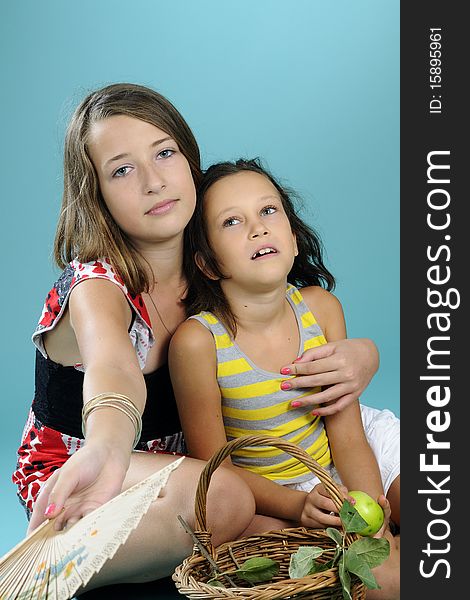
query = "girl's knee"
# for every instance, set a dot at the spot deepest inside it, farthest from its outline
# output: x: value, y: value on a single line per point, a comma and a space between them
x: 230, y: 505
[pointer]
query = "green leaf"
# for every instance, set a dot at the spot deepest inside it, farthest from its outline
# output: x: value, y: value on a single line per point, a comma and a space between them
x: 373, y: 550
x: 345, y: 579
x: 215, y: 583
x: 318, y: 567
x: 258, y: 569
x: 351, y: 519
x: 357, y: 565
x: 335, y: 535
x: 302, y: 561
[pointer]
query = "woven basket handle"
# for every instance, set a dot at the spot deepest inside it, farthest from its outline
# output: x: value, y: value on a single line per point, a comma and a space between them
x: 258, y: 440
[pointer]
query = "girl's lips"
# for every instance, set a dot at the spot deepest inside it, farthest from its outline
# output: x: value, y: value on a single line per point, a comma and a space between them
x: 263, y: 252
x: 161, y: 208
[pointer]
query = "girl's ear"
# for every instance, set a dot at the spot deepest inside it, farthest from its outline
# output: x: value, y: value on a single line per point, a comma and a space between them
x: 296, y: 250
x: 202, y: 266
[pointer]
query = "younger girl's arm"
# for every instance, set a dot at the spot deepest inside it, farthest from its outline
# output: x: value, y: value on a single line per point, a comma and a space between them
x: 192, y: 361
x: 352, y: 455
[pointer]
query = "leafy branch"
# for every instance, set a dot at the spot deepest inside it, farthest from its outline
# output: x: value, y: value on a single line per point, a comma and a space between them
x: 358, y: 559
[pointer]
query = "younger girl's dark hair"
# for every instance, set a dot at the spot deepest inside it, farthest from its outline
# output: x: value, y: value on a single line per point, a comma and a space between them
x: 206, y: 294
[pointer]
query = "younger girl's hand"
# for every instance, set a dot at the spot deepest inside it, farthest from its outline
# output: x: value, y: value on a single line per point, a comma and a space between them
x: 385, y: 504
x: 319, y: 509
x: 89, y: 478
x: 344, y: 366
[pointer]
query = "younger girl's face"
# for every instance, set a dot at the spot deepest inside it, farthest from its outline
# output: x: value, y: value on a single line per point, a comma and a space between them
x: 145, y: 180
x: 248, y: 230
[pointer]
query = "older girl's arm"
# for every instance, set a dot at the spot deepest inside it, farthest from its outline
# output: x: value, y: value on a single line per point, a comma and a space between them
x: 99, y: 316
x: 343, y: 367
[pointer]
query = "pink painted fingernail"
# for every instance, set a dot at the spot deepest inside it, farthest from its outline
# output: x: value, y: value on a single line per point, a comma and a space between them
x: 315, y: 414
x: 285, y: 371
x: 285, y: 385
x: 296, y: 404
x: 49, y: 510
x: 298, y: 358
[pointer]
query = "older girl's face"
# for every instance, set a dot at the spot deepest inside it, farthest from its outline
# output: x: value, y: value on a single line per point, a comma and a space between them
x: 145, y: 180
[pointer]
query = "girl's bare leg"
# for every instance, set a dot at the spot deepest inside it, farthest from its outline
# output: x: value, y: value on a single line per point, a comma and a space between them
x: 159, y: 543
x: 388, y: 573
x: 262, y: 524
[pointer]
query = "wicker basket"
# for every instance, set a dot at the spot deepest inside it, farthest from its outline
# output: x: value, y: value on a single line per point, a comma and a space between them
x: 192, y: 575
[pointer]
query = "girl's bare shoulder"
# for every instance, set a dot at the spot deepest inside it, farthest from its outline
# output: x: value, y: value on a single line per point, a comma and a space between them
x: 192, y: 336
x: 327, y: 310
x: 319, y: 299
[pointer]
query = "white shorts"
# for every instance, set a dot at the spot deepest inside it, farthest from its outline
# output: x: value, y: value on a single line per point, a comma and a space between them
x: 382, y: 430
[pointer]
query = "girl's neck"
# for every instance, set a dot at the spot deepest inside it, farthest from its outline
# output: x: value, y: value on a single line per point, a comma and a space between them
x: 256, y: 311
x: 165, y: 261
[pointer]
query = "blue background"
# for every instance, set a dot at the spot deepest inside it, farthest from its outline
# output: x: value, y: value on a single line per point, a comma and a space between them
x: 311, y: 87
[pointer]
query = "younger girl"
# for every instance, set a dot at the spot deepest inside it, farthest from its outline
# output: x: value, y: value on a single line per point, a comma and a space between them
x: 251, y: 247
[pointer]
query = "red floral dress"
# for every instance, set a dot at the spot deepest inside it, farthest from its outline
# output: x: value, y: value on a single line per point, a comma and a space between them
x: 52, y: 432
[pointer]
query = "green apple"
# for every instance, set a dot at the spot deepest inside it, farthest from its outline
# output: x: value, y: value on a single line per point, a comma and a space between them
x: 370, y: 511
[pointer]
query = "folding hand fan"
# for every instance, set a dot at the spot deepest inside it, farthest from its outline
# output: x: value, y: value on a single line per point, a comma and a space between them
x: 50, y: 564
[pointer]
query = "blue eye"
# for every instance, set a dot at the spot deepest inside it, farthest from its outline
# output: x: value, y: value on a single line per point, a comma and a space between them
x: 230, y: 222
x: 121, y: 172
x: 166, y: 153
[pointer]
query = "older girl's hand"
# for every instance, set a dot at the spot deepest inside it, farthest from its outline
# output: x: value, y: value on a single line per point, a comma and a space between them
x: 344, y: 368
x: 89, y: 478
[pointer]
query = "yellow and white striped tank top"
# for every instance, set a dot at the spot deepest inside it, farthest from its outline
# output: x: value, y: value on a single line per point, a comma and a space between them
x: 253, y: 403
